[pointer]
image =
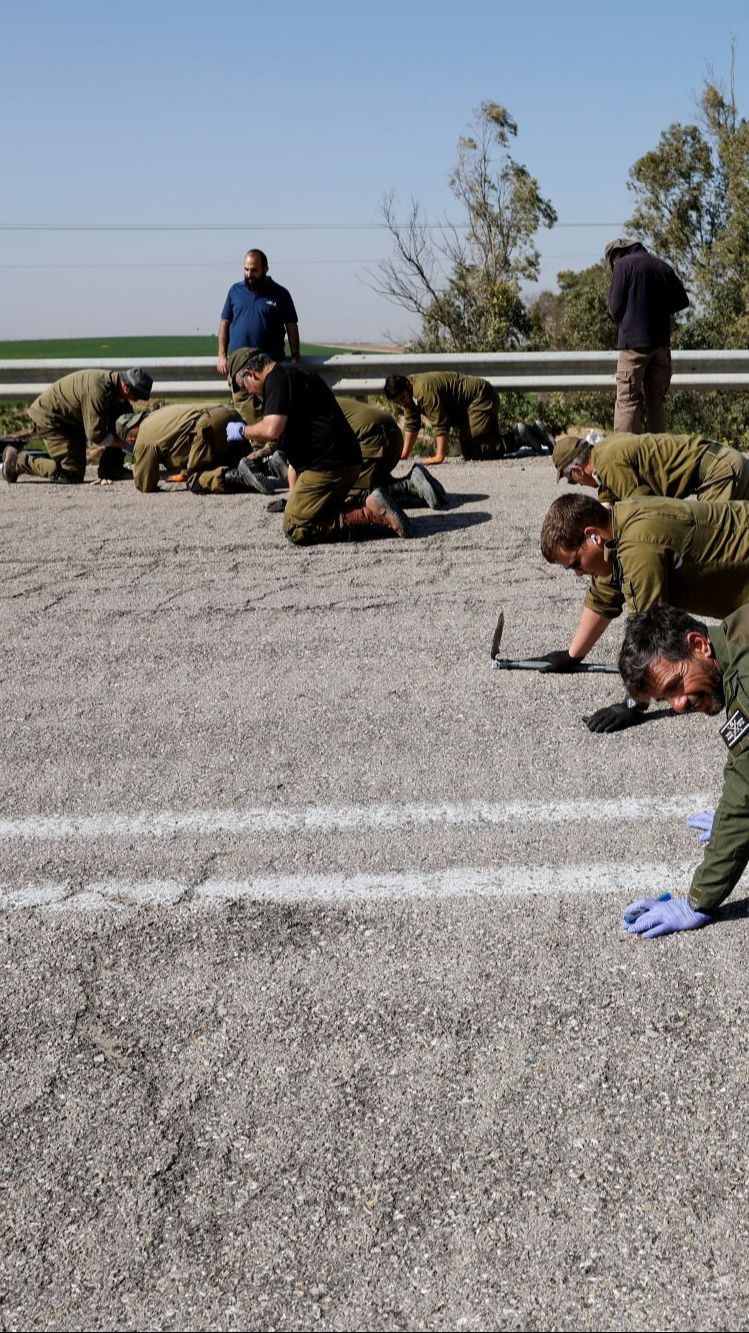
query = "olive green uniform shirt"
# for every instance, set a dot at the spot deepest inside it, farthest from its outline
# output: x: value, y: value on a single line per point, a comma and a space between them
x: 670, y: 465
x: 444, y: 398
x: 693, y: 554
x: 181, y: 439
x: 728, y: 853
x: 87, y: 399
x: 370, y: 424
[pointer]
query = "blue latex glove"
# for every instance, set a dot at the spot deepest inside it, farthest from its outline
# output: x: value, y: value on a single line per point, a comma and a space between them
x: 665, y: 917
x: 703, y: 821
x: 641, y: 905
x: 234, y: 431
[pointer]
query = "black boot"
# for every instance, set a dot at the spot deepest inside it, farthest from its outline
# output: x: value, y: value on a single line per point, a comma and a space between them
x: 420, y: 487
x: 277, y: 466
x: 536, y: 437
x: 63, y: 478
x: 516, y: 444
x: 244, y: 477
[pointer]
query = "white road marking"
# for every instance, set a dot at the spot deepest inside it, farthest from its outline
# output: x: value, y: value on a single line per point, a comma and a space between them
x: 349, y: 819
x: 630, y: 881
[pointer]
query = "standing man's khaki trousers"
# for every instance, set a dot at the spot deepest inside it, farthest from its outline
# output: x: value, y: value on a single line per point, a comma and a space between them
x: 643, y: 375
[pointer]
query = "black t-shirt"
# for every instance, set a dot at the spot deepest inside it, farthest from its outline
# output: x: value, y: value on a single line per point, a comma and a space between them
x: 317, y: 433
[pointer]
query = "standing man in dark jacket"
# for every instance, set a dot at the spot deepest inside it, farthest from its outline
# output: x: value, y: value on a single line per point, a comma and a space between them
x: 645, y: 293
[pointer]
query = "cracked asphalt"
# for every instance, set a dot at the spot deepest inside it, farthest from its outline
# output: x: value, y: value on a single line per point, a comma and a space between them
x: 406, y: 1114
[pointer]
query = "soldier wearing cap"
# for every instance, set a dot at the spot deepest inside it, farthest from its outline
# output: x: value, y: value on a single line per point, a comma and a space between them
x: 190, y: 440
x: 249, y: 407
x: 692, y: 554
x: 79, y: 409
x: 622, y: 466
x: 644, y: 296
x: 302, y: 418
x: 451, y: 401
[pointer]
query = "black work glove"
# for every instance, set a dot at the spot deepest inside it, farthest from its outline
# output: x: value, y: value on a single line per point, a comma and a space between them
x: 276, y: 506
x: 615, y: 717
x: 560, y: 661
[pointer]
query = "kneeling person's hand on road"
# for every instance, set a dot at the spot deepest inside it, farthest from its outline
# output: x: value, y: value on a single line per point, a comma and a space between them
x: 614, y: 717
x: 559, y: 660
x: 651, y: 917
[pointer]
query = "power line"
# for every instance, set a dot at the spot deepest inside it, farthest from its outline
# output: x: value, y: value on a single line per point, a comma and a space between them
x: 229, y: 263
x: 250, y: 226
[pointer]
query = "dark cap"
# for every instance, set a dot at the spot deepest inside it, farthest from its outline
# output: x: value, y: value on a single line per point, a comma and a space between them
x: 621, y: 243
x: 139, y: 382
x: 237, y: 361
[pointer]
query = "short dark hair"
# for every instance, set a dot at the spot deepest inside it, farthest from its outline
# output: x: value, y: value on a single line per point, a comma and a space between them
x: 660, y: 632
x: 566, y: 521
x: 395, y: 385
x: 260, y: 254
x: 256, y: 363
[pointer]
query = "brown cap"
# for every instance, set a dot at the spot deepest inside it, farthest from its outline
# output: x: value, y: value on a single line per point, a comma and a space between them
x: 566, y: 451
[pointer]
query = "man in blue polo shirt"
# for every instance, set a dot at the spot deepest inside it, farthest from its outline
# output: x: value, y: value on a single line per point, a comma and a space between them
x: 257, y: 313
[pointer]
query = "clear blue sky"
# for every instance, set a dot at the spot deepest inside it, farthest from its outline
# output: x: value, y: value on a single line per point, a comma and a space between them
x: 245, y: 115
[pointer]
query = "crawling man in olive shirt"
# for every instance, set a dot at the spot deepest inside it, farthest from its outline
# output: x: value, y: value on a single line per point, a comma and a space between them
x: 466, y: 404
x: 80, y: 409
x: 669, y: 656
x: 623, y: 466
x: 190, y: 441
x: 685, y: 553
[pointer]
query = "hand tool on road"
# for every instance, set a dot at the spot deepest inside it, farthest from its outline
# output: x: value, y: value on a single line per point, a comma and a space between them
x: 536, y: 663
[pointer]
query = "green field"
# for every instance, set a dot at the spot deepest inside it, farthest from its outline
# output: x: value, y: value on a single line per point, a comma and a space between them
x: 142, y: 348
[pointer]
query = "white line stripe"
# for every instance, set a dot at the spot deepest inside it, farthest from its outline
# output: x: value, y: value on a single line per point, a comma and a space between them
x: 351, y: 819
x: 632, y: 881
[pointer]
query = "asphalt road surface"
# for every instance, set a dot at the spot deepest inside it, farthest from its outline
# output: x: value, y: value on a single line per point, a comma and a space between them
x: 318, y: 1013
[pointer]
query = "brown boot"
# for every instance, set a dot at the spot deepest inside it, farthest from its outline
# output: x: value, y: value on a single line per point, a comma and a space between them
x: 10, y: 463
x: 386, y: 513
x: 377, y: 512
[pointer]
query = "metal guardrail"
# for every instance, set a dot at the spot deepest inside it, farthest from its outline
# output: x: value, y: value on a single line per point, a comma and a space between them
x: 531, y: 372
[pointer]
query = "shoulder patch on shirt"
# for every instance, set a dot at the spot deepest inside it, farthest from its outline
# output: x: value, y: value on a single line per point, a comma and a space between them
x: 735, y: 729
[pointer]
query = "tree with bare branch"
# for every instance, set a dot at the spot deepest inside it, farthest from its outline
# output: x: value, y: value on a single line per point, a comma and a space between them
x: 463, y: 279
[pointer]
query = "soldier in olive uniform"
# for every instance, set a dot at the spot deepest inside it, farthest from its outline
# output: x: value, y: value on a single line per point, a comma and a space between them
x: 190, y: 440
x: 451, y: 401
x: 249, y: 407
x: 301, y: 417
x: 692, y: 554
x: 666, y: 655
x: 79, y: 409
x: 381, y: 442
x: 624, y: 466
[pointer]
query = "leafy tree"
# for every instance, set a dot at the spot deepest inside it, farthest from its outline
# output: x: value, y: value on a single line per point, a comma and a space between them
x: 576, y: 317
x: 463, y: 280
x: 692, y: 207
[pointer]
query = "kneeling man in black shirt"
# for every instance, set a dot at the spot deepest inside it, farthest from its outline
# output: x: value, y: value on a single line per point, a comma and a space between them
x: 302, y: 418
